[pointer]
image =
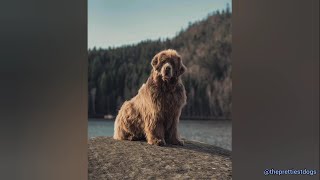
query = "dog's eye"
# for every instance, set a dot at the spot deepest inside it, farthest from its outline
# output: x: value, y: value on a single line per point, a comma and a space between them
x: 171, y: 62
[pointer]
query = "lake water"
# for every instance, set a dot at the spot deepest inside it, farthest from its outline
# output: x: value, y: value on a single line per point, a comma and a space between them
x: 211, y: 132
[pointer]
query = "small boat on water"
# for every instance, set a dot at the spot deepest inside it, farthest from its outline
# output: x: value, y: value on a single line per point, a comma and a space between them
x: 108, y: 116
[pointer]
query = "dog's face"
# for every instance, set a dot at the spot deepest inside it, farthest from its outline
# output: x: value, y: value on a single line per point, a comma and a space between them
x: 168, y: 64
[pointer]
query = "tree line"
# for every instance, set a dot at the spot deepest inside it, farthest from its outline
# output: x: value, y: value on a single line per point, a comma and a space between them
x: 116, y: 74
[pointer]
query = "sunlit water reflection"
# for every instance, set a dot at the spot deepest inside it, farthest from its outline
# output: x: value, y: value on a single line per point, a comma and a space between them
x: 211, y: 132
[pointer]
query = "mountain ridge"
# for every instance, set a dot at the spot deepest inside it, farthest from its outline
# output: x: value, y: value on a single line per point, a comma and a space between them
x: 116, y: 74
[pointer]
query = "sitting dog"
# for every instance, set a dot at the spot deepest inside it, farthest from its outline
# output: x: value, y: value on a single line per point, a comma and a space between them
x: 153, y: 114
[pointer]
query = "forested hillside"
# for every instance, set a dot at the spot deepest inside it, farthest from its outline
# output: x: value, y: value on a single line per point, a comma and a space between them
x: 116, y: 74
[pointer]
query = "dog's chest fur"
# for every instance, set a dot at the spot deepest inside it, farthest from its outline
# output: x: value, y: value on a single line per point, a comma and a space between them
x: 168, y: 97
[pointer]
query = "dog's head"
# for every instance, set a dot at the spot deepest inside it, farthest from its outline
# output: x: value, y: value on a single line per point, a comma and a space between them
x: 168, y: 64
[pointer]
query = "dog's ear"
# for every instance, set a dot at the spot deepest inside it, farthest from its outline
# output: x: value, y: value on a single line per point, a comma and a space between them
x: 182, y: 69
x: 155, y: 61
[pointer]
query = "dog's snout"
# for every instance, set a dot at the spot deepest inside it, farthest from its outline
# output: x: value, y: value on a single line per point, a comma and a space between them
x: 167, y: 70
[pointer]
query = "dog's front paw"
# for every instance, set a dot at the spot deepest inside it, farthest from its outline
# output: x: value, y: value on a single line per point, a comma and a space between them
x: 159, y: 142
x: 178, y: 142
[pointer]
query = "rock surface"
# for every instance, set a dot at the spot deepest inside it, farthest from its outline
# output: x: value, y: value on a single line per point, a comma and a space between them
x: 112, y: 159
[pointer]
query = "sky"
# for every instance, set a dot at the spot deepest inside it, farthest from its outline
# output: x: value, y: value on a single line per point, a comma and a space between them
x: 119, y: 22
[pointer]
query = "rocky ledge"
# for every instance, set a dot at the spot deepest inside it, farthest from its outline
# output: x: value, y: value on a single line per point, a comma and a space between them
x: 112, y: 159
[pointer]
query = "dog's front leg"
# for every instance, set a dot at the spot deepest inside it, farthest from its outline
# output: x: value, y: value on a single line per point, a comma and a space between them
x: 172, y: 134
x: 155, y: 133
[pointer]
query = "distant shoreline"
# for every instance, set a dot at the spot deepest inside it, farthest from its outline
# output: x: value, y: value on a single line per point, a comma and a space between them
x: 101, y: 118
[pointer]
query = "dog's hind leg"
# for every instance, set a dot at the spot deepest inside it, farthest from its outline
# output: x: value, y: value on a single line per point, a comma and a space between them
x: 119, y: 132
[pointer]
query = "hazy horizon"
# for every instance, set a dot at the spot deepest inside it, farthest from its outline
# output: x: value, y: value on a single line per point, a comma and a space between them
x: 113, y: 23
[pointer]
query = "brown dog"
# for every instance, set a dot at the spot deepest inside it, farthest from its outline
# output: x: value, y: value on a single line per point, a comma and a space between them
x: 153, y: 114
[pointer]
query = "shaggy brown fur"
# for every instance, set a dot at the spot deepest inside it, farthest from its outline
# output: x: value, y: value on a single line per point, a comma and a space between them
x: 153, y: 114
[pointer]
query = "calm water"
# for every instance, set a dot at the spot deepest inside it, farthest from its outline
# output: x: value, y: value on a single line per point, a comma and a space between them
x: 211, y: 132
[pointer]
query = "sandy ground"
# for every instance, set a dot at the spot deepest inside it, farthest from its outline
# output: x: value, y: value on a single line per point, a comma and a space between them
x: 111, y: 159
